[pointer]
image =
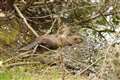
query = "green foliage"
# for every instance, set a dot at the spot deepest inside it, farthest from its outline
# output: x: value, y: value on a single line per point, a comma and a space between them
x: 9, y: 31
x: 116, y: 19
x: 101, y: 21
x: 15, y: 74
x: 5, y: 75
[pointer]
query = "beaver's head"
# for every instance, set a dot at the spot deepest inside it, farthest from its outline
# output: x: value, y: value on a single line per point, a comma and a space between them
x: 70, y: 40
x: 75, y: 39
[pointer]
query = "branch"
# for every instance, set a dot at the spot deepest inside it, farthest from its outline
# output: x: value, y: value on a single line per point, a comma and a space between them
x: 100, y: 31
x: 97, y: 16
x: 25, y: 21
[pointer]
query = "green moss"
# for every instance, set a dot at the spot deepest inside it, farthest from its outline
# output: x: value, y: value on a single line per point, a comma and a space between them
x: 9, y: 31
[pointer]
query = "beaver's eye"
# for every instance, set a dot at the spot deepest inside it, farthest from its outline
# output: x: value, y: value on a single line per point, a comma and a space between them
x: 76, y: 39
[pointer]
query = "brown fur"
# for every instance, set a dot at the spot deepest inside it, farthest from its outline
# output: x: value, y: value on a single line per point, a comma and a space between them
x: 61, y: 39
x: 54, y: 41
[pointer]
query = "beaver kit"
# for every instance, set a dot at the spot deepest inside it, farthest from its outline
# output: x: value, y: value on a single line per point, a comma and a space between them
x: 54, y: 41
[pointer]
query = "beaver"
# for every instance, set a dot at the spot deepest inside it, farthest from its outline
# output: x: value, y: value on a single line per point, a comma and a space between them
x: 54, y: 41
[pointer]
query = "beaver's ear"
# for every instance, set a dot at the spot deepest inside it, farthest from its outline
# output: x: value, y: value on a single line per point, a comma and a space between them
x: 64, y: 30
x: 77, y: 39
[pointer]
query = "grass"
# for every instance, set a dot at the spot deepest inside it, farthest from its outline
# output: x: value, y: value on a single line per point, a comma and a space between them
x: 14, y: 74
x: 50, y: 73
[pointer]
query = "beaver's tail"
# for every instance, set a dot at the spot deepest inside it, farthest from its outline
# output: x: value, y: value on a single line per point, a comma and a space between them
x: 29, y: 46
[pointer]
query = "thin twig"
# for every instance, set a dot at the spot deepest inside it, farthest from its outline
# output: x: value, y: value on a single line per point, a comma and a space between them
x: 25, y: 21
x: 62, y: 66
x: 40, y: 17
x: 35, y: 48
x: 103, y: 65
x: 90, y: 65
x: 49, y: 31
x: 108, y: 22
x: 47, y: 48
x: 20, y: 54
x: 21, y: 63
x: 97, y: 16
x: 28, y: 63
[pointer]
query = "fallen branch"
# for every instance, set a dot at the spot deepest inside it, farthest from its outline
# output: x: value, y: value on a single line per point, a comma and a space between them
x: 20, y: 54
